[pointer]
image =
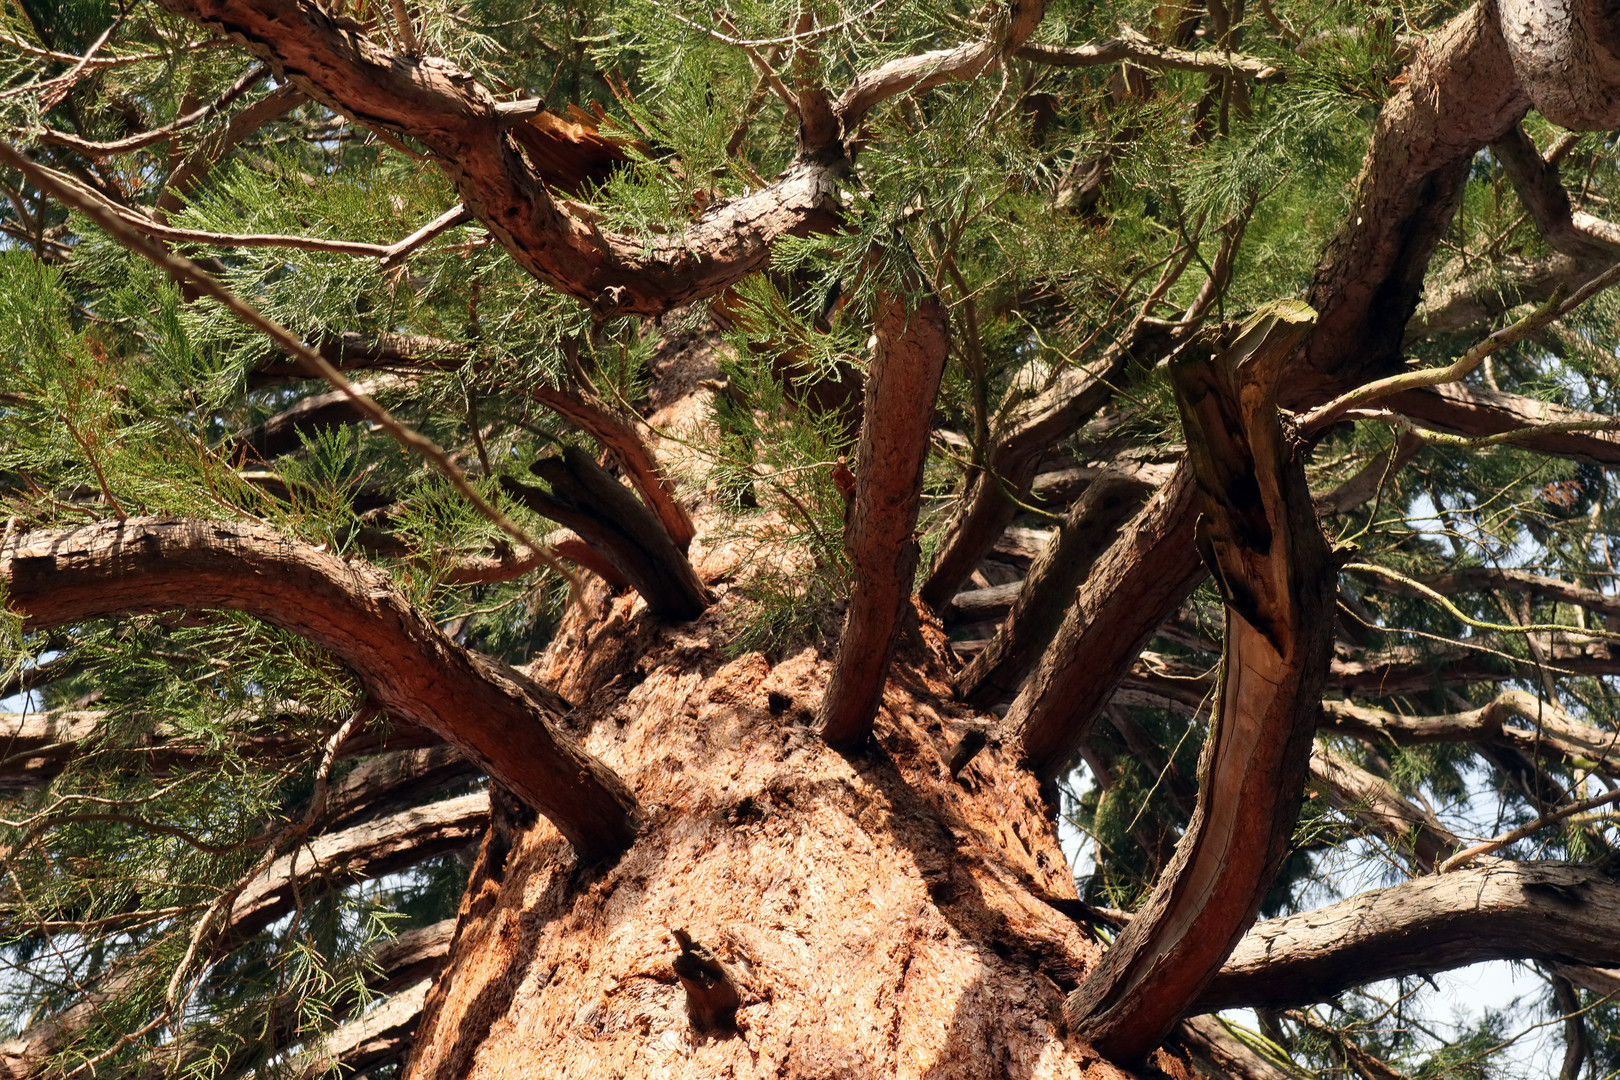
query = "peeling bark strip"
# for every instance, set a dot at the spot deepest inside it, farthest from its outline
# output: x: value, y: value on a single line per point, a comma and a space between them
x: 1260, y: 537
x: 408, y: 667
x: 486, y: 152
x: 908, y: 358
x: 1506, y: 911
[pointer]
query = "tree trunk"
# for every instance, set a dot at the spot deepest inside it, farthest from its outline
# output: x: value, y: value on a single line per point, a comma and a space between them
x: 875, y: 917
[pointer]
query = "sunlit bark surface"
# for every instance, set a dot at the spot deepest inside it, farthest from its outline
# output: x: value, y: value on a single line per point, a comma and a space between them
x: 879, y: 919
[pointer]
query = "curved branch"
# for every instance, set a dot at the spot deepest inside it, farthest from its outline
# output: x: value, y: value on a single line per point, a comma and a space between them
x: 580, y: 407
x: 1494, y: 290
x: 158, y: 134
x: 1475, y: 412
x: 1375, y: 803
x: 941, y: 66
x: 1142, y: 578
x: 1461, y: 96
x: 1087, y: 531
x: 359, y: 853
x: 618, y: 528
x: 1535, y: 179
x: 1552, y: 730
x: 487, y: 157
x: 1024, y: 432
x: 334, y: 860
x: 618, y: 438
x: 1261, y: 539
x: 1551, y: 911
x: 407, y: 665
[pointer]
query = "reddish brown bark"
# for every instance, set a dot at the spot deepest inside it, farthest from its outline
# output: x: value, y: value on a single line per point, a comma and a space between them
x: 617, y: 528
x: 1567, y: 55
x: 1087, y: 531
x: 1277, y: 576
x: 1475, y: 411
x: 1024, y: 432
x: 330, y: 58
x: 407, y: 665
x: 911, y: 340
x: 880, y: 918
x: 1460, y: 98
x: 1144, y: 576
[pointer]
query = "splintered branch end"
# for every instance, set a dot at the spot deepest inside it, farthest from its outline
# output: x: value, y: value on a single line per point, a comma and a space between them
x: 711, y: 994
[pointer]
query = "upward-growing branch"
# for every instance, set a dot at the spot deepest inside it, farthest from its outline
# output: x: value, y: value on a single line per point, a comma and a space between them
x: 911, y: 341
x: 1259, y: 536
x: 408, y: 667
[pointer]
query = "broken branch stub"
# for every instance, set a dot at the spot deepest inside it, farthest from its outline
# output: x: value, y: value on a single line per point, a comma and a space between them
x: 1259, y: 535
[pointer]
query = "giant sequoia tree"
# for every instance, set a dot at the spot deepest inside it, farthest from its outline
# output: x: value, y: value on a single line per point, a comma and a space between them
x: 601, y: 538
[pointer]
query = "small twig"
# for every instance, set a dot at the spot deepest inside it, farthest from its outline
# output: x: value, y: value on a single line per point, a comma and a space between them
x: 1468, y: 855
x: 158, y: 134
x: 66, y: 81
x: 388, y: 254
x: 1478, y: 624
x: 755, y: 43
x: 95, y: 466
x: 763, y: 67
x: 456, y: 215
x: 96, y: 63
x: 222, y: 904
x: 1555, y: 307
x: 1445, y: 438
x: 407, y: 33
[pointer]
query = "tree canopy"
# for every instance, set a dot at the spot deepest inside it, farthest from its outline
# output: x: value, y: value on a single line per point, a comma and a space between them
x: 1182, y: 428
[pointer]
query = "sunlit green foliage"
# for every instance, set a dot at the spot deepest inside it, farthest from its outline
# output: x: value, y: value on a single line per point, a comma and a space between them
x: 1059, y: 211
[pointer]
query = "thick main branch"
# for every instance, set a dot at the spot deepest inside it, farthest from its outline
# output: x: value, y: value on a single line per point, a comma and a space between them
x: 1551, y: 911
x: 907, y: 363
x: 503, y: 164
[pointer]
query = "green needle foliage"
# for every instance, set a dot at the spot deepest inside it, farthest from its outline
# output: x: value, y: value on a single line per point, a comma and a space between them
x: 1063, y: 213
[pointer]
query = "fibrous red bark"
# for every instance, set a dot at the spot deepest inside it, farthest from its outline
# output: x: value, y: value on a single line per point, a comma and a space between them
x: 880, y: 918
x: 910, y: 342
